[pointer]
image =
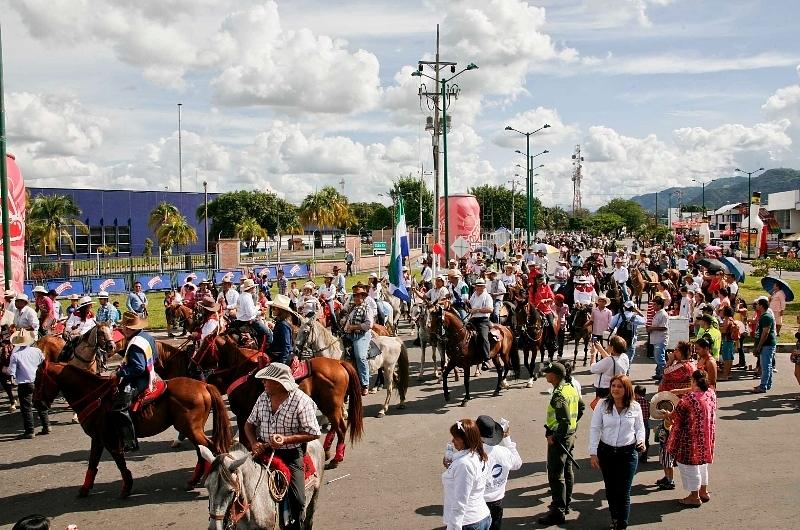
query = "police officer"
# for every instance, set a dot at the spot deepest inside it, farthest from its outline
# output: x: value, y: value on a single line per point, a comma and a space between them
x: 134, y: 374
x: 563, y: 412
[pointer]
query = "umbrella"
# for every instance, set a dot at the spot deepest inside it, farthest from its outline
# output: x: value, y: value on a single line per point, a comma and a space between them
x: 484, y: 250
x: 768, y: 282
x: 550, y: 249
x: 713, y: 265
x: 734, y: 267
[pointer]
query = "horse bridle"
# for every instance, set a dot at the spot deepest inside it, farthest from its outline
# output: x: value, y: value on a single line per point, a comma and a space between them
x: 100, y: 353
x: 302, y: 345
x: 231, y: 480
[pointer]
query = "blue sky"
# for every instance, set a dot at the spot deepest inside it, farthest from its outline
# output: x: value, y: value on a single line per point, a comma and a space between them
x: 292, y: 96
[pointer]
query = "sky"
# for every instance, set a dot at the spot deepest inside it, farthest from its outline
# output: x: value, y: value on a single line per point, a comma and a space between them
x: 295, y: 95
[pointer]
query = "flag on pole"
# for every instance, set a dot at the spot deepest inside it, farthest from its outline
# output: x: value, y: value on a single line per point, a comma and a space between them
x: 397, y: 286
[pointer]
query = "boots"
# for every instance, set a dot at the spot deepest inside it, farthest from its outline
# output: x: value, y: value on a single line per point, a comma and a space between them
x: 128, y: 433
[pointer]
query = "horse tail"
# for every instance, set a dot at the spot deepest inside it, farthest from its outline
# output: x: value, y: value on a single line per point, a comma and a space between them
x: 355, y: 412
x: 513, y: 355
x: 402, y: 369
x: 221, y: 433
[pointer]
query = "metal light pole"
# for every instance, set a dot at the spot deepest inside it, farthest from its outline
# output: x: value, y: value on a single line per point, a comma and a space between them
x: 703, y: 184
x: 749, y: 203
x: 180, y: 151
x: 513, y: 183
x: 528, y: 173
x: 7, y: 272
x: 205, y: 218
x: 657, y: 209
x: 533, y: 218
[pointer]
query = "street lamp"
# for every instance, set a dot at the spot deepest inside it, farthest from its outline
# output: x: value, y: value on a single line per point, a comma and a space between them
x: 528, y: 171
x: 446, y: 93
x: 514, y: 183
x: 704, y: 195
x: 749, y: 202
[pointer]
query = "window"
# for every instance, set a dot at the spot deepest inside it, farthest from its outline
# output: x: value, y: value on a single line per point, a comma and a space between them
x: 783, y: 217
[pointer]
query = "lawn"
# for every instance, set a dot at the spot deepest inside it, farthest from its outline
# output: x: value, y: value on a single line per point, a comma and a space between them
x: 751, y: 289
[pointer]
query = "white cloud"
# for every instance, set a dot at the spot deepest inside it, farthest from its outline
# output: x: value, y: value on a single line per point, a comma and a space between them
x: 671, y: 63
x: 531, y: 120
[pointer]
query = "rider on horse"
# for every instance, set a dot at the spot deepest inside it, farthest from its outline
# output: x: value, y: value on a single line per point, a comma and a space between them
x: 281, y: 349
x: 46, y: 310
x: 459, y: 292
x: 540, y: 298
x: 327, y: 296
x: 247, y: 314
x: 228, y: 297
x: 481, y: 306
x: 284, y: 420
x: 358, y: 326
x: 80, y: 321
x: 497, y: 290
x: 135, y: 375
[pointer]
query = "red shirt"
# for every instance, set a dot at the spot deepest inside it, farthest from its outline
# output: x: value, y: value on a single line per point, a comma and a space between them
x: 46, y: 309
x: 535, y: 295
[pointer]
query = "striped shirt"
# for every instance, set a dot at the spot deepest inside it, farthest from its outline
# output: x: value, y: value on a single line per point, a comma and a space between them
x: 296, y: 415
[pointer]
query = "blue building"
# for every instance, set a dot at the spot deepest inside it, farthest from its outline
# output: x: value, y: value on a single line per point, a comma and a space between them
x: 118, y: 218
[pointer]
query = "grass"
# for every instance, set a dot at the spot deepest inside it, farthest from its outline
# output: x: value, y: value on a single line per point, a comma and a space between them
x: 751, y: 289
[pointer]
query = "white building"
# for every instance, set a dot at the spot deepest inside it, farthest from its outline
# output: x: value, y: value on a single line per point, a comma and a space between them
x: 726, y: 220
x: 784, y: 206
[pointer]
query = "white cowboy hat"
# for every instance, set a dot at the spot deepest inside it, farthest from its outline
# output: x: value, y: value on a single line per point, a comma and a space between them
x: 454, y: 273
x: 39, y: 289
x: 373, y: 275
x: 309, y: 285
x: 23, y: 337
x: 280, y: 373
x: 22, y: 296
x: 84, y: 301
x: 603, y: 297
x: 282, y: 301
x: 102, y: 294
x: 662, y: 401
x: 74, y: 296
x: 248, y: 285
x: 441, y: 277
x: 582, y: 280
x: 9, y: 293
x: 479, y: 281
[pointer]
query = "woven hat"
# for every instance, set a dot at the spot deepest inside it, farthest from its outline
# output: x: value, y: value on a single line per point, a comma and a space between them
x: 662, y: 401
x: 102, y: 294
x: 280, y: 373
x: 21, y: 296
x: 84, y: 301
x: 309, y: 285
x: 131, y: 320
x: 209, y: 304
x: 455, y: 273
x: 23, y: 337
x: 39, y: 289
x: 248, y: 285
x: 441, y: 277
x: 480, y: 282
x: 329, y: 276
x: 360, y: 288
x: 281, y: 301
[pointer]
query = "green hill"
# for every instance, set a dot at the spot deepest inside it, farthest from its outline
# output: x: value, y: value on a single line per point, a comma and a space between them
x: 726, y: 190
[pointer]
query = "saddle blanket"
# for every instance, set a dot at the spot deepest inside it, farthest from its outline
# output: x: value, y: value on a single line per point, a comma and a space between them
x: 300, y: 370
x: 149, y: 396
x: 279, y: 465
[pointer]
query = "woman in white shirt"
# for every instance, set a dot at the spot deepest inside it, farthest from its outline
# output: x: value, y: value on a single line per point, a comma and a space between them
x: 616, y: 437
x: 464, y: 480
x: 606, y: 364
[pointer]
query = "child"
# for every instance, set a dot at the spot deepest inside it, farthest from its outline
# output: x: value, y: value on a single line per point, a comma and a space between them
x: 641, y: 397
x: 664, y: 458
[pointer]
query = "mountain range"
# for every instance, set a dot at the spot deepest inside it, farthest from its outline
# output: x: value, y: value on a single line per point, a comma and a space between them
x: 724, y: 190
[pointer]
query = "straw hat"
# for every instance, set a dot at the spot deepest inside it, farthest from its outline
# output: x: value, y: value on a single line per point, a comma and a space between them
x: 84, y: 301
x: 309, y: 285
x: 359, y: 289
x: 39, y: 289
x: 280, y: 373
x: 455, y: 273
x: 131, y: 320
x: 21, y: 296
x: 248, y: 285
x: 23, y: 337
x: 102, y: 294
x: 662, y: 401
x: 282, y: 301
x: 9, y: 293
x: 479, y: 282
x: 209, y: 304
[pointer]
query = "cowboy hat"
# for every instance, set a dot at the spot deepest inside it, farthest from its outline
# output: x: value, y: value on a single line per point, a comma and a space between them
x: 23, y: 337
x: 102, y: 294
x: 9, y: 293
x: 131, y: 320
x: 309, y: 285
x: 359, y: 289
x: 480, y: 281
x: 603, y: 297
x: 21, y: 296
x: 84, y: 301
x: 279, y: 373
x: 248, y: 285
x: 661, y: 402
x: 329, y: 276
x: 455, y: 273
x: 209, y: 304
x: 491, y: 431
x: 582, y: 280
x: 39, y: 289
x: 282, y: 301
x: 373, y: 275
x: 441, y: 277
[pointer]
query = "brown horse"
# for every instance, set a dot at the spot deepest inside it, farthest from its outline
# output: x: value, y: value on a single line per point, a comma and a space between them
x: 529, y: 334
x: 463, y: 352
x: 642, y: 285
x: 179, y: 314
x: 581, y: 330
x: 186, y: 405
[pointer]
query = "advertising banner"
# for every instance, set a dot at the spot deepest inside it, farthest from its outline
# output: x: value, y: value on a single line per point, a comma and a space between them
x: 115, y: 284
x: 16, y: 218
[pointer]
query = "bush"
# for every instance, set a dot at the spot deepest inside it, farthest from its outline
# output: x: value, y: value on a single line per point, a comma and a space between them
x: 762, y: 267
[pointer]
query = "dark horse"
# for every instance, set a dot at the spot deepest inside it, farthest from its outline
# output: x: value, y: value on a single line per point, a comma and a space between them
x: 462, y: 351
x: 529, y: 338
x: 581, y: 330
x: 185, y: 405
x: 179, y: 314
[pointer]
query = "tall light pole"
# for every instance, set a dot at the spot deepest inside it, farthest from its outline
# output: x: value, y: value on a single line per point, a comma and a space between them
x: 447, y: 93
x: 205, y: 218
x: 180, y: 151
x: 7, y: 272
x: 533, y: 220
x: 513, y: 183
x: 703, y: 183
x: 529, y: 190
x: 749, y: 203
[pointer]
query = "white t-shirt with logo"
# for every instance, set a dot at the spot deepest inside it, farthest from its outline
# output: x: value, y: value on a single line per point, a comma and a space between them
x: 503, y: 458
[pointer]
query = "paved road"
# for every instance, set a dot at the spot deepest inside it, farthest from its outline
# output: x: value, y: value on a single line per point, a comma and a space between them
x: 394, y: 473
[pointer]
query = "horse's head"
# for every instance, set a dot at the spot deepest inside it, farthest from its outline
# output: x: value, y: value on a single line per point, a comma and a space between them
x: 105, y: 335
x: 224, y: 483
x: 304, y: 332
x: 45, y: 389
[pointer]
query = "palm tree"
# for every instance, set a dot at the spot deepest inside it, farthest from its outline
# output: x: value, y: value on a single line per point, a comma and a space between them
x: 161, y: 214
x: 176, y: 231
x: 49, y: 222
x: 251, y: 232
x: 325, y: 208
x: 292, y: 227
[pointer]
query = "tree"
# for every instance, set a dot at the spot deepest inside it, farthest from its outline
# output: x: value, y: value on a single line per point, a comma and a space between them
x: 497, y: 201
x: 632, y: 214
x: 251, y: 233
x: 692, y: 208
x: 270, y: 212
x: 161, y: 214
x: 605, y: 224
x: 49, y: 221
x: 326, y: 208
x: 380, y: 218
x: 147, y: 251
x: 176, y: 231
x: 410, y: 189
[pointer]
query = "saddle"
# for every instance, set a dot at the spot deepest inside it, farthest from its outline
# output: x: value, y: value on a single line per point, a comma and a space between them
x: 149, y: 395
x: 300, y: 370
x: 309, y: 469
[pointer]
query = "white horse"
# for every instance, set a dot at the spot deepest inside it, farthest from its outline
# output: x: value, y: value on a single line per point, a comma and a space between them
x: 237, y: 482
x: 392, y: 356
x: 420, y: 316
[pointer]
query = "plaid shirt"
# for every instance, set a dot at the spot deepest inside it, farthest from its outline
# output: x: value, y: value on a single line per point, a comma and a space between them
x: 296, y: 415
x: 645, y: 404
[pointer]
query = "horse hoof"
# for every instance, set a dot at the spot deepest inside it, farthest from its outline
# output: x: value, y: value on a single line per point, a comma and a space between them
x: 529, y: 384
x: 496, y: 393
x: 463, y: 403
x: 176, y: 444
x: 83, y: 492
x: 333, y: 464
x: 401, y: 406
x: 380, y: 414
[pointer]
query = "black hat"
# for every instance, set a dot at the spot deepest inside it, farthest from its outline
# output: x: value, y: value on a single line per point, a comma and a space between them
x: 556, y: 368
x: 491, y: 431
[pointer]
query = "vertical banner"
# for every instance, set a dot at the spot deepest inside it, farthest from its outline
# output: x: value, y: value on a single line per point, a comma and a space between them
x: 16, y: 219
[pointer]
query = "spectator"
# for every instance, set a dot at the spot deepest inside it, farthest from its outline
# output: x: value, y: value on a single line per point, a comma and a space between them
x: 764, y: 340
x: 601, y: 318
x: 137, y: 301
x: 464, y: 480
x: 659, y: 336
x: 609, y: 365
x: 640, y: 394
x: 33, y: 522
x: 502, y: 457
x: 25, y: 359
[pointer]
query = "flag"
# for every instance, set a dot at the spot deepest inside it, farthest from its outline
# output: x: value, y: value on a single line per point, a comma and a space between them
x: 397, y: 286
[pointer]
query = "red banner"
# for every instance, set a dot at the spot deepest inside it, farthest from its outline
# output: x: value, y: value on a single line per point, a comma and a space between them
x: 16, y: 217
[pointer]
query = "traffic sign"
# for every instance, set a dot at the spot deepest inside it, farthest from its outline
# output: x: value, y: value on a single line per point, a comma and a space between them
x: 379, y: 248
x: 461, y: 247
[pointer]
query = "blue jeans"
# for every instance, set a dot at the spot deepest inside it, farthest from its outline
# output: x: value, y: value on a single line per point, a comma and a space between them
x: 360, y: 350
x: 631, y: 354
x: 660, y: 354
x: 618, y: 465
x: 483, y: 524
x: 495, y: 317
x: 766, y: 356
x: 624, y: 291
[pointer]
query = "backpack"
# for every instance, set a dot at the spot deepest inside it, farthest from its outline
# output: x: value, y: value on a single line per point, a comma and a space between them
x: 625, y: 328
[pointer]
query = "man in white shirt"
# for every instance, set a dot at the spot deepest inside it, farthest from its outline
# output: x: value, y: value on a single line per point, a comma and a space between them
x: 26, y: 317
x: 79, y: 321
x: 427, y: 275
x: 228, y: 297
x: 561, y: 272
x: 620, y: 276
x: 500, y: 257
x: 584, y: 293
x: 503, y: 457
x: 497, y: 290
x: 683, y: 265
x: 247, y: 313
x: 9, y: 311
x: 25, y: 360
x: 509, y: 277
x: 480, y: 307
x: 339, y: 282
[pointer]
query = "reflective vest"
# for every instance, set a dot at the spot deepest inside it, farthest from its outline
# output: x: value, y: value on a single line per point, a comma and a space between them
x: 572, y: 398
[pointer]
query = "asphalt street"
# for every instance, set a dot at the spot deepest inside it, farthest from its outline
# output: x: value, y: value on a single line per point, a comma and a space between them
x: 393, y: 476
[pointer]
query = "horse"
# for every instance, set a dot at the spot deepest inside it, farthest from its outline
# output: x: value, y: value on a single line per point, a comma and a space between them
x: 463, y: 352
x: 90, y: 351
x: 529, y: 334
x: 395, y: 303
x: 614, y: 294
x: 179, y: 314
x: 239, y: 497
x: 641, y: 284
x: 420, y: 318
x: 581, y: 329
x: 329, y: 382
x: 393, y: 355
x: 185, y: 404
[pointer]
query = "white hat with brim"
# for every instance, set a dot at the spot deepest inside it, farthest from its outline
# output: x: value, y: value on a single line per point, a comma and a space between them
x: 10, y: 293
x: 102, y: 294
x: 480, y: 282
x: 309, y: 285
x: 23, y: 337
x: 279, y: 373
x: 39, y: 289
x: 248, y: 285
x: 22, y: 296
x: 281, y: 301
x: 84, y: 301
x: 455, y: 273
x: 603, y: 298
x: 74, y: 297
x: 582, y: 280
x: 662, y: 401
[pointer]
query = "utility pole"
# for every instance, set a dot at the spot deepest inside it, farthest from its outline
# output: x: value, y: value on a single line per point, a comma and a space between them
x: 7, y: 272
x: 205, y: 218
x: 180, y: 151
x: 513, y: 183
